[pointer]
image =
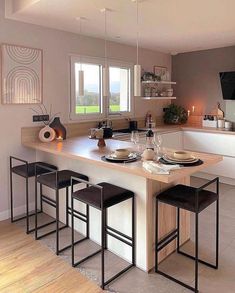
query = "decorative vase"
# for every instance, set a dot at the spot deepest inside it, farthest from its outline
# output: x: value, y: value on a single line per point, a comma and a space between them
x: 47, y: 134
x: 59, y: 128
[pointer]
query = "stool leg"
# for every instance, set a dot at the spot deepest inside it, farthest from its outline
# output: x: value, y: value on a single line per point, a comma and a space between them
x: 196, y: 252
x: 41, y: 204
x: 133, y: 230
x: 102, y: 246
x: 72, y: 226
x: 88, y: 221
x: 217, y: 234
x: 11, y: 194
x: 156, y: 238
x: 27, y: 204
x: 105, y: 234
x: 36, y: 210
x: 67, y: 207
x: 57, y: 221
x: 178, y: 229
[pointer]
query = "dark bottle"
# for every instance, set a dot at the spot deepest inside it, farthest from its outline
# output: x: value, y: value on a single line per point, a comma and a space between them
x: 149, y: 140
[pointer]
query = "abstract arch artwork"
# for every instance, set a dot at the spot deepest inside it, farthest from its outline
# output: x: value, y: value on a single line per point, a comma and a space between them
x: 21, y: 75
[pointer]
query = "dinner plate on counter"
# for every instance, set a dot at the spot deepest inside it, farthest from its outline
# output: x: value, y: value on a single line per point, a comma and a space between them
x: 172, y: 158
x: 113, y: 158
x: 175, y: 161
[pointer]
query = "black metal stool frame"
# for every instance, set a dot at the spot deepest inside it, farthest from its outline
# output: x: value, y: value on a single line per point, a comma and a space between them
x: 55, y: 204
x: 105, y: 230
x: 28, y: 214
x: 176, y: 234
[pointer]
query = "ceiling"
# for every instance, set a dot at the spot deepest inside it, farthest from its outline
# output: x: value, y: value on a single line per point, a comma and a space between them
x: 171, y: 26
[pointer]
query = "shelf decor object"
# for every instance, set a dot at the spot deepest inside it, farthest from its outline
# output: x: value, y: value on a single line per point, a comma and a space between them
x: 175, y: 114
x: 21, y: 74
x: 59, y: 129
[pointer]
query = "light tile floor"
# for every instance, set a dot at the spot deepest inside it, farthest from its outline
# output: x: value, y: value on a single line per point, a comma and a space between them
x: 136, y: 281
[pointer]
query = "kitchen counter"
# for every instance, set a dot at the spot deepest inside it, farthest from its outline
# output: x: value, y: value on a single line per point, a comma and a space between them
x: 82, y: 155
x: 84, y: 149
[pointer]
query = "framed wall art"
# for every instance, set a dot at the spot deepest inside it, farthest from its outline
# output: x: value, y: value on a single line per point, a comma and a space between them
x: 21, y: 75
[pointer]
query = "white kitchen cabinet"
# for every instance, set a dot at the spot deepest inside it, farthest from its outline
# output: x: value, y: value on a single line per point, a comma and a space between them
x: 173, y: 140
x: 214, y: 143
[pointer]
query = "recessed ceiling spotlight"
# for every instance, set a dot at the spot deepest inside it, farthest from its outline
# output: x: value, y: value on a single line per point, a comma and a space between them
x: 174, y: 53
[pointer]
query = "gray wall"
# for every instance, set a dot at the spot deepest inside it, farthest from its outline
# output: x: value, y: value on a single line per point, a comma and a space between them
x: 197, y: 76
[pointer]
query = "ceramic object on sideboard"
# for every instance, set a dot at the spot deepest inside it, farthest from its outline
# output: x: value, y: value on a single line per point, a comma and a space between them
x: 59, y: 128
x: 47, y: 134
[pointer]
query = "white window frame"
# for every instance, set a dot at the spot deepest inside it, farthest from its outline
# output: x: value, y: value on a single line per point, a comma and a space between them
x: 104, y: 100
x: 130, y: 66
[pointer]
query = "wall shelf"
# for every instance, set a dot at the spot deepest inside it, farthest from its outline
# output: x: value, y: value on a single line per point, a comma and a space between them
x: 158, y: 98
x: 158, y: 82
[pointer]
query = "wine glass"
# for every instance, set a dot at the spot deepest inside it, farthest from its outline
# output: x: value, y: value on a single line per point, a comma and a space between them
x: 157, y: 140
x: 135, y: 137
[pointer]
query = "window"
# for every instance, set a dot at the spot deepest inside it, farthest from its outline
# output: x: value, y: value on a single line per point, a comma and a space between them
x: 119, y: 86
x: 91, y: 102
x: 93, y: 105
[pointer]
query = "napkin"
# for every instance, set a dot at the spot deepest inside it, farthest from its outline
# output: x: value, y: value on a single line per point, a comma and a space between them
x: 158, y: 168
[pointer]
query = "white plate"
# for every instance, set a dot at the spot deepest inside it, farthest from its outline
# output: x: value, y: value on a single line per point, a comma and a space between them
x: 168, y: 156
x: 180, y: 161
x: 114, y: 157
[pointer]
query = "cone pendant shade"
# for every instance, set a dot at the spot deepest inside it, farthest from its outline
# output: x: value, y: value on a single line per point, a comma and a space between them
x: 137, y: 80
x: 81, y: 83
x: 105, y: 81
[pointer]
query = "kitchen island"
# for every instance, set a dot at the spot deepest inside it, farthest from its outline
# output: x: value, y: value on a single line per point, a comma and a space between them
x: 82, y: 154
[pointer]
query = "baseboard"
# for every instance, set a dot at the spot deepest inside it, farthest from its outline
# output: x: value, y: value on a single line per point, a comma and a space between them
x: 5, y: 215
x: 208, y: 176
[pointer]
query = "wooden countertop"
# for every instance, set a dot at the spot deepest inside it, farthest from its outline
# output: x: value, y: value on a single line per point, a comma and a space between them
x: 84, y: 149
x: 207, y: 129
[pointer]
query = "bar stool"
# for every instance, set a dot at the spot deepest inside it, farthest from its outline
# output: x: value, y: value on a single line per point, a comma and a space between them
x: 194, y: 200
x: 25, y: 170
x: 102, y: 197
x: 55, y: 180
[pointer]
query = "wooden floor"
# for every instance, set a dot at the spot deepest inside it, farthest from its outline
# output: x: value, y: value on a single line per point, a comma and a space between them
x: 28, y: 266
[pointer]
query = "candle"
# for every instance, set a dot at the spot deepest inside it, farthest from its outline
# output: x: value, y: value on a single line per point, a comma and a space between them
x: 188, y: 112
x: 193, y: 109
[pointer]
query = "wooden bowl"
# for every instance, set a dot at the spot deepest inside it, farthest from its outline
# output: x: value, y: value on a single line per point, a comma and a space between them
x: 122, y: 153
x: 182, y: 155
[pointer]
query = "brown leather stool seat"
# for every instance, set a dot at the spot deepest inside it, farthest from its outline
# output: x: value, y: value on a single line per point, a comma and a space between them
x: 63, y: 179
x: 23, y: 171
x: 184, y: 197
x: 112, y: 195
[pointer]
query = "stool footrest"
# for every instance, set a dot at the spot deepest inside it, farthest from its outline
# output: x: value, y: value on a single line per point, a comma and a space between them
x: 166, y: 240
x: 42, y: 226
x: 51, y: 232
x: 118, y: 232
x: 87, y: 257
x: 78, y: 215
x: 24, y: 217
x: 48, y: 200
x: 118, y: 274
x: 119, y: 238
x: 176, y: 280
x: 199, y: 260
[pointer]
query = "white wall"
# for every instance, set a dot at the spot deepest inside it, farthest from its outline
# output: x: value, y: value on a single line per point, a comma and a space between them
x: 56, y: 45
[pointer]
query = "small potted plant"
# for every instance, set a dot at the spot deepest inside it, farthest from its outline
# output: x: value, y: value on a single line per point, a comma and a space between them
x: 175, y: 114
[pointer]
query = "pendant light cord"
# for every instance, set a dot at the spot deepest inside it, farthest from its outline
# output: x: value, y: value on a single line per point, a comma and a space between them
x: 80, y: 33
x: 105, y: 42
x: 137, y: 31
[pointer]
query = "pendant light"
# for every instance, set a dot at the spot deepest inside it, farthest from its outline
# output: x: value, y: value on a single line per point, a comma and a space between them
x: 105, y: 68
x: 137, y: 67
x: 80, y: 72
